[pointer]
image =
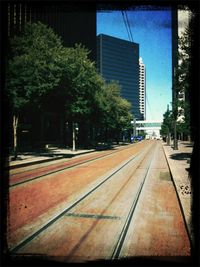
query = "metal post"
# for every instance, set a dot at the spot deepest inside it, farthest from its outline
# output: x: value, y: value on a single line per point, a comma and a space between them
x: 134, y: 125
x: 175, y: 113
x: 174, y: 66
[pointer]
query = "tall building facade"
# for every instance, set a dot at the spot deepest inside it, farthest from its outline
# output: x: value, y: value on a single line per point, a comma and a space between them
x: 117, y: 60
x: 142, y: 88
x: 74, y: 23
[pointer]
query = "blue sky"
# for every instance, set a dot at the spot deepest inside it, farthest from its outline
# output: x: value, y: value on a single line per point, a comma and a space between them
x: 152, y: 30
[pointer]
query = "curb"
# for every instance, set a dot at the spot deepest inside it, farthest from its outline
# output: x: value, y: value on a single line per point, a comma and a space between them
x: 180, y: 202
x: 25, y: 164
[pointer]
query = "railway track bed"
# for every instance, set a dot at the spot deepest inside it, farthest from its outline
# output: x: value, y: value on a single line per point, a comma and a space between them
x: 131, y: 210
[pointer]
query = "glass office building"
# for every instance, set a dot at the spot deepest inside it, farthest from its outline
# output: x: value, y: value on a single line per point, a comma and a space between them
x: 118, y: 60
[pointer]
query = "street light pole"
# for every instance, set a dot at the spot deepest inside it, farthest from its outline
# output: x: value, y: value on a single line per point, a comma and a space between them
x: 134, y: 126
x: 174, y: 74
x: 175, y: 111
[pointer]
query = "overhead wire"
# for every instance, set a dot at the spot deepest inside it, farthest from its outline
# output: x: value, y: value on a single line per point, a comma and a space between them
x: 149, y: 106
x: 126, y: 25
x: 129, y: 26
x: 130, y: 36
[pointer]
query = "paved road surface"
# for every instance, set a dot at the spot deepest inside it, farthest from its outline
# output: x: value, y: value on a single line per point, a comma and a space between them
x: 121, y: 205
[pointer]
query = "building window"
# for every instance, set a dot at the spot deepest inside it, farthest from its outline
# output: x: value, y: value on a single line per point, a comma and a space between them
x: 8, y: 19
x: 15, y: 15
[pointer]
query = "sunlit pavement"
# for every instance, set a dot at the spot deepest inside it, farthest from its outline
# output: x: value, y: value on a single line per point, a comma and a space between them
x: 179, y: 163
x: 91, y: 229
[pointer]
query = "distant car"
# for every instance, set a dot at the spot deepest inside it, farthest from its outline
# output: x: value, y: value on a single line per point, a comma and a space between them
x: 139, y: 138
x: 136, y: 138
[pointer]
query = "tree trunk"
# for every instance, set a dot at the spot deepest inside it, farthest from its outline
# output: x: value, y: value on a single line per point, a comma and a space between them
x: 15, y: 125
x: 73, y: 137
x: 175, y: 136
x: 181, y: 136
x: 168, y: 139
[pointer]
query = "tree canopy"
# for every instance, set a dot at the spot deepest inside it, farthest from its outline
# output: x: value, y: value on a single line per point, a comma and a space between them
x: 181, y: 107
x: 80, y: 83
x: 42, y: 72
x: 167, y: 125
x: 34, y: 65
x: 183, y: 82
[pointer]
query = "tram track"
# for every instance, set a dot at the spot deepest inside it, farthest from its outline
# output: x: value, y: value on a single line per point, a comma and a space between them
x: 139, y: 156
x: 120, y: 241
x: 45, y: 171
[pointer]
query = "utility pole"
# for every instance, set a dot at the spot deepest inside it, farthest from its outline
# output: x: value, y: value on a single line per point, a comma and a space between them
x: 175, y: 119
x: 73, y: 137
x: 174, y: 67
x: 168, y: 133
x: 134, y: 126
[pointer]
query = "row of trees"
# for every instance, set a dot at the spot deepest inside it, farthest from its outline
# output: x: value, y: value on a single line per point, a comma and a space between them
x: 181, y: 109
x: 41, y: 70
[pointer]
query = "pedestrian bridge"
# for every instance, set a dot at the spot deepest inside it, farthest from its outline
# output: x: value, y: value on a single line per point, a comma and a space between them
x: 151, y: 128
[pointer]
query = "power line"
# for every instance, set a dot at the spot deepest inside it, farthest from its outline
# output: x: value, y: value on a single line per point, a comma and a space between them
x: 129, y: 26
x: 126, y: 25
x: 149, y: 106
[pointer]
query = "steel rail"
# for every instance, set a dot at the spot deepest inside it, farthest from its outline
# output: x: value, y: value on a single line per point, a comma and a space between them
x: 119, y: 244
x: 63, y: 168
x: 81, y: 198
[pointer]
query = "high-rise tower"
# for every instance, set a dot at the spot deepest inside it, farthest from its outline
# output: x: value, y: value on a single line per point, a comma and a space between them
x: 142, y: 88
x: 118, y: 60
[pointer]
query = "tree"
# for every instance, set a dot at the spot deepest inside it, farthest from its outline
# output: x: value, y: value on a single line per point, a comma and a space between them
x: 40, y: 68
x: 34, y: 68
x: 114, y: 111
x: 87, y: 97
x: 167, y: 125
x: 79, y: 86
x: 182, y: 85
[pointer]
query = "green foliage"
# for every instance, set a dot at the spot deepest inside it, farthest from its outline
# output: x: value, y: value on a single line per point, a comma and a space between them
x: 42, y: 72
x: 80, y: 83
x: 34, y: 65
x: 182, y: 86
x: 167, y: 125
x: 183, y: 126
x: 183, y: 82
x: 114, y: 110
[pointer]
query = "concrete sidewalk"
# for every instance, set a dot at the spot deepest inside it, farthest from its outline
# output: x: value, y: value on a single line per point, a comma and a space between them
x: 179, y: 164
x: 51, y: 154
x: 26, y: 159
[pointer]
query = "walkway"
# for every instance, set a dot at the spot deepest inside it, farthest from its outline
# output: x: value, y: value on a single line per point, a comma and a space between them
x: 30, y: 158
x: 179, y: 163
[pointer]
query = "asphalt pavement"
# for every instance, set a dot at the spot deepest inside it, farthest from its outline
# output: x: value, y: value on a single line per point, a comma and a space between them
x: 178, y: 162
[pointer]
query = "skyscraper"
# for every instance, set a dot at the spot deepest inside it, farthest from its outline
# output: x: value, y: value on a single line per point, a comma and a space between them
x: 74, y: 23
x: 118, y: 60
x: 142, y: 88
